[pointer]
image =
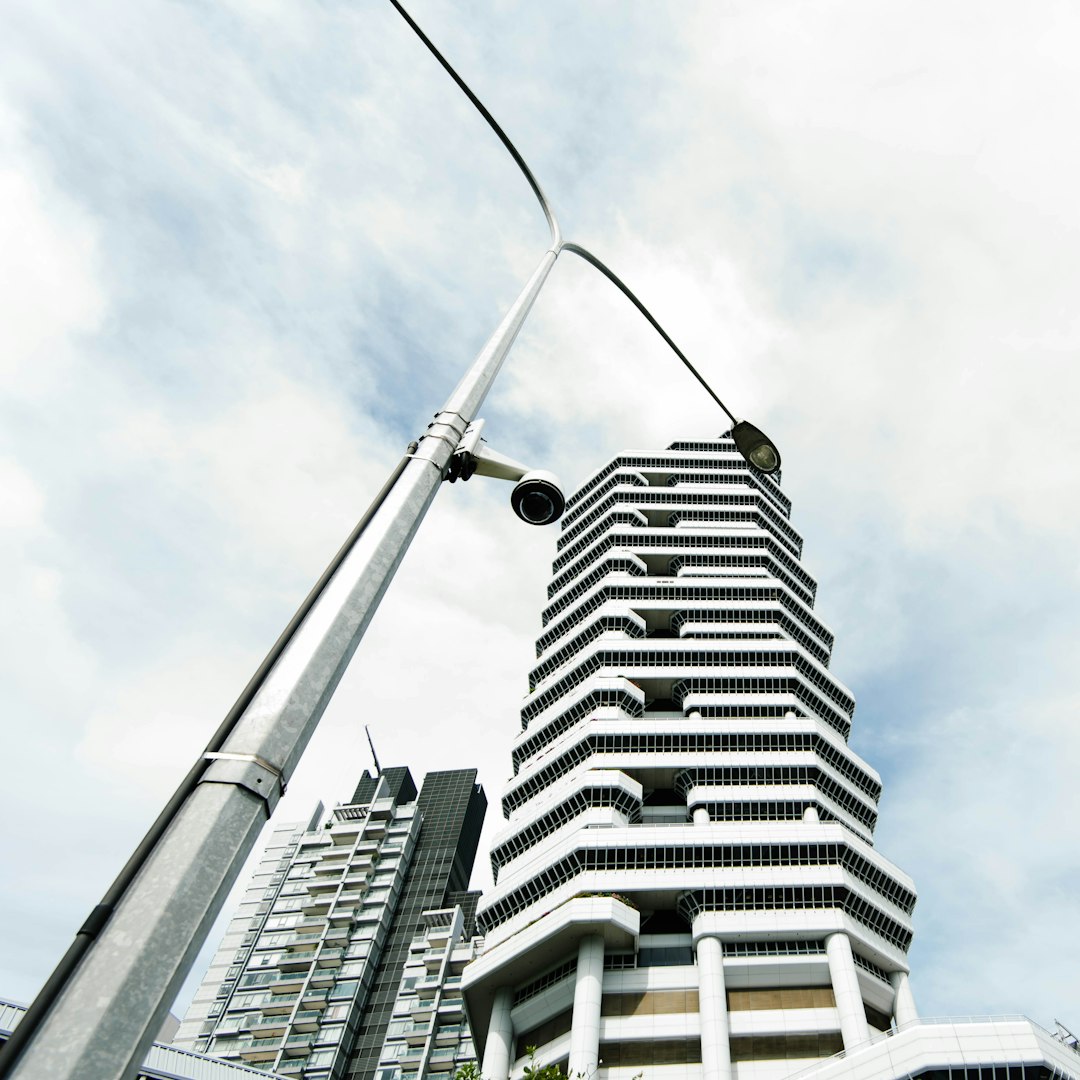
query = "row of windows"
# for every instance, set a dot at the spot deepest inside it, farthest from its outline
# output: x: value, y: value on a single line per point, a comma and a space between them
x: 682, y: 592
x: 598, y: 698
x: 644, y: 499
x: 781, y: 741
x: 815, y: 704
x: 633, y: 744
x: 729, y: 616
x: 656, y: 859
x: 624, y: 563
x: 602, y: 625
x: 765, y: 562
x: 557, y: 816
x: 731, y: 856
x: 760, y: 516
x: 749, y: 685
x: 621, y: 517
x: 624, y: 476
x: 796, y: 897
x: 641, y: 540
x: 739, y: 467
x: 683, y: 656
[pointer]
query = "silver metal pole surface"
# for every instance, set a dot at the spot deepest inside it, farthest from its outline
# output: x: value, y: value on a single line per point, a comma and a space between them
x: 105, y: 1019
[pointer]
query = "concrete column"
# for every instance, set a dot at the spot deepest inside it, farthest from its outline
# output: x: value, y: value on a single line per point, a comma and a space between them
x: 904, y: 1003
x: 499, y: 1049
x: 588, y: 989
x: 845, y: 983
x: 810, y: 813
x: 712, y: 1003
x: 701, y: 815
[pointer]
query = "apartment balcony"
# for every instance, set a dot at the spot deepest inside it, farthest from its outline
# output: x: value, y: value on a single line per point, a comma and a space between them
x: 314, y: 998
x: 441, y: 1059
x: 337, y: 935
x: 279, y: 1003
x: 271, y: 1026
x: 418, y: 1034
x: 330, y: 958
x: 319, y: 885
x: 344, y: 914
x: 260, y: 1050
x: 433, y: 959
x: 428, y: 987
x: 449, y: 1033
x: 302, y: 939
x: 286, y: 981
x: 298, y: 1045
x: 296, y: 961
x: 318, y: 905
x: 422, y: 1010
x: 307, y: 1020
x: 323, y: 977
x: 451, y: 1008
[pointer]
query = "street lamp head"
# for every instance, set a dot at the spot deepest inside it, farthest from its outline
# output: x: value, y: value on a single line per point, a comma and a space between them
x: 756, y: 447
x: 537, y: 499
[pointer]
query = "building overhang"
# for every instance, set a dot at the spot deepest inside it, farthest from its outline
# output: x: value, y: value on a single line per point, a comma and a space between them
x: 538, y: 946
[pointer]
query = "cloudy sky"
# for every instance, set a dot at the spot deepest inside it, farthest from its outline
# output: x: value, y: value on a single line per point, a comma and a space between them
x: 246, y: 249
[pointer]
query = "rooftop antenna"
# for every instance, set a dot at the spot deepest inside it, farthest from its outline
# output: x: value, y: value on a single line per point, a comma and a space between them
x: 374, y: 756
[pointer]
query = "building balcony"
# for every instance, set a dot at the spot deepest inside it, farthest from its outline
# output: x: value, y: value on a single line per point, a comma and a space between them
x: 451, y: 1008
x: 330, y: 958
x: 296, y: 961
x: 344, y: 914
x: 260, y: 1050
x: 298, y: 1045
x: 279, y: 1003
x: 271, y: 1026
x: 286, y: 981
x: 307, y: 1020
x: 422, y: 1010
x: 449, y: 1033
x: 441, y: 1060
x: 418, y: 1034
x: 324, y: 976
x: 318, y: 905
x: 314, y: 999
x: 517, y: 958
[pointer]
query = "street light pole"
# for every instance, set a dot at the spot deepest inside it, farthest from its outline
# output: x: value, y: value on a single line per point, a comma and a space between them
x: 98, y: 1013
x: 105, y: 1018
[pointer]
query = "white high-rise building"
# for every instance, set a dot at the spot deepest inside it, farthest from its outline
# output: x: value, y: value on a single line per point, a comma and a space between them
x: 686, y: 882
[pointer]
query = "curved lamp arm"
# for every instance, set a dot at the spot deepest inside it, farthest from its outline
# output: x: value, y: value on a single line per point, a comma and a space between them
x: 538, y: 191
x: 610, y: 274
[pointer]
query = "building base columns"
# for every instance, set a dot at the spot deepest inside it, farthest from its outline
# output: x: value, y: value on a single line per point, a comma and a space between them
x: 845, y: 983
x: 588, y: 991
x: 499, y: 1049
x: 712, y: 1003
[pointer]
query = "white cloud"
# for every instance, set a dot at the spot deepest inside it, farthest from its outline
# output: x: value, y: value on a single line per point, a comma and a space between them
x: 246, y: 256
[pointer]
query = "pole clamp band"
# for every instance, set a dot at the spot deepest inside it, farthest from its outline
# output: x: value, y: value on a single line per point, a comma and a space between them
x: 247, y: 771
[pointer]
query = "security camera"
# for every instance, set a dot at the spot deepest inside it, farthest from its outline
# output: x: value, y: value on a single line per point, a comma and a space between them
x: 537, y: 498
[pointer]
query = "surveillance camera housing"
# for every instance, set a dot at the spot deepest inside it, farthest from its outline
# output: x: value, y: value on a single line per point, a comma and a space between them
x: 537, y: 499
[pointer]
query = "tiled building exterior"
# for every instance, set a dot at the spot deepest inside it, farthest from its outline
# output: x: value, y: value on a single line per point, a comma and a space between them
x: 686, y: 882
x: 306, y: 976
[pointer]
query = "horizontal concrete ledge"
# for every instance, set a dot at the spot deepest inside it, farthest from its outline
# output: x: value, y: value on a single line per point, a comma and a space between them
x: 948, y: 1042
x: 526, y: 954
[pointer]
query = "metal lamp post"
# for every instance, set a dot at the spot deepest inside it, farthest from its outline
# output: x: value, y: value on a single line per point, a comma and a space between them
x: 97, y: 1015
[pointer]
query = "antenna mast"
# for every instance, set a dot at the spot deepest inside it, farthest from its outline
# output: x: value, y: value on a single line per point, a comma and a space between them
x: 374, y: 756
